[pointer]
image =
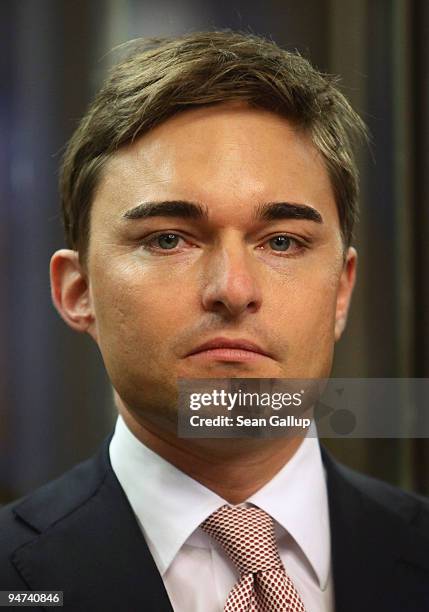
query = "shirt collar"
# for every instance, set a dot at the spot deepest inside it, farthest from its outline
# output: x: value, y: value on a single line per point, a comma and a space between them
x: 297, y: 498
x: 170, y: 506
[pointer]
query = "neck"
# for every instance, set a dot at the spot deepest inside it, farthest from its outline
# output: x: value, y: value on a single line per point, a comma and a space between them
x: 234, y: 469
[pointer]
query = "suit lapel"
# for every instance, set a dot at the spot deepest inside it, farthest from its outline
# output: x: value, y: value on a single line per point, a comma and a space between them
x: 379, y: 561
x: 96, y: 554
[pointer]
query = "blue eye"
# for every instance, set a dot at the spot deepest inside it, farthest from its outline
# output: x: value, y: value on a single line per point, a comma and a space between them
x: 167, y: 241
x: 280, y: 243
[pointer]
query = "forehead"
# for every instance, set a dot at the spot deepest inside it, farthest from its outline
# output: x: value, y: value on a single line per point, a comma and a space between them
x: 227, y: 157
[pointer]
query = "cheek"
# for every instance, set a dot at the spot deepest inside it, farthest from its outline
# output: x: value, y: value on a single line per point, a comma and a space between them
x: 305, y: 303
x: 135, y: 310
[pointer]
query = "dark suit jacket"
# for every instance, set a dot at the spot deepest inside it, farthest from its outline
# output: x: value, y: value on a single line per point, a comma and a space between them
x: 78, y: 534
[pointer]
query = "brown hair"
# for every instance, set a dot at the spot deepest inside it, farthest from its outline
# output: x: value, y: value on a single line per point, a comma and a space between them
x: 162, y: 77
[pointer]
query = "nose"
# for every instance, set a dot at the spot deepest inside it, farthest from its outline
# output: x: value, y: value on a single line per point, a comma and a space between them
x: 231, y: 285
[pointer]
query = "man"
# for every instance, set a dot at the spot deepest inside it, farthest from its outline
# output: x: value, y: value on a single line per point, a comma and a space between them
x: 209, y: 197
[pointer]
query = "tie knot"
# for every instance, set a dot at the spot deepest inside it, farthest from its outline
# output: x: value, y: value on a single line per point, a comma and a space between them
x: 247, y: 536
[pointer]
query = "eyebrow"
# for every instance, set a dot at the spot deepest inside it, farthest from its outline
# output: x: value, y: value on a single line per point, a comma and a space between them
x: 286, y: 210
x: 270, y: 211
x: 171, y: 208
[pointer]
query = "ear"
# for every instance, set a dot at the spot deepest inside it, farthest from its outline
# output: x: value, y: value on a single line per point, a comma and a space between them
x: 70, y: 291
x: 345, y: 290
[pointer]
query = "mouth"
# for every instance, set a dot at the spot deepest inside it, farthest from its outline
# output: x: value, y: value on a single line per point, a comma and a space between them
x: 228, y: 350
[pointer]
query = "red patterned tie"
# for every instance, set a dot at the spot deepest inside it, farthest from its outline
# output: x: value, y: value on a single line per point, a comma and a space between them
x: 247, y: 536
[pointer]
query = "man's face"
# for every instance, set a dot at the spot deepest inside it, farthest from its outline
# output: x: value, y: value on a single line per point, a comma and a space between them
x: 162, y: 285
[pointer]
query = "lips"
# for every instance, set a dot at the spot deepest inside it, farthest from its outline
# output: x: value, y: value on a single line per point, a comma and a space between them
x: 237, y: 344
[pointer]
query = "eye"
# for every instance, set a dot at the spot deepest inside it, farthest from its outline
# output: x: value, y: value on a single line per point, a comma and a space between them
x: 283, y: 244
x: 280, y: 243
x: 166, y: 241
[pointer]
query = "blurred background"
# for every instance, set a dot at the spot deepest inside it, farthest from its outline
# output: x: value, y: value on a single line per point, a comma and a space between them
x: 55, y: 401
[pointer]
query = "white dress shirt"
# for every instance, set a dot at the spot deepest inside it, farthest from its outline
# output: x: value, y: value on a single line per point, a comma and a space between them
x: 197, y: 574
